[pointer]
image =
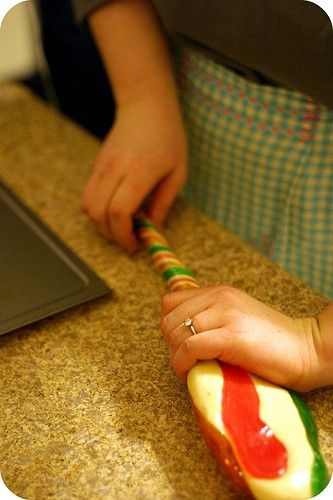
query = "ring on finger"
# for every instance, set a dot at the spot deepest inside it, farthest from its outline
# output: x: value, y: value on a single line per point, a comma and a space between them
x: 189, y: 322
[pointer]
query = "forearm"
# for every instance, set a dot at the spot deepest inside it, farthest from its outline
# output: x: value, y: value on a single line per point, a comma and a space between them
x: 134, y: 50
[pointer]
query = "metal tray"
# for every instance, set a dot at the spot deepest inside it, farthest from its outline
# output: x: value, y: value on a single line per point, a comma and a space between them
x: 39, y: 274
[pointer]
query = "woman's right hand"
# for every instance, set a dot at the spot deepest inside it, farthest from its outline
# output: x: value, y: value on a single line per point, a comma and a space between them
x: 142, y: 164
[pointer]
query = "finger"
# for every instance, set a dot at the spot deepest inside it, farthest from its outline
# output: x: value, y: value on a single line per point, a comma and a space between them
x: 100, y: 170
x: 208, y: 319
x: 110, y: 207
x: 207, y: 345
x: 122, y: 228
x: 96, y: 198
x: 177, y: 337
x: 126, y: 202
x: 91, y: 186
x: 189, y: 308
x: 164, y: 196
x: 173, y: 299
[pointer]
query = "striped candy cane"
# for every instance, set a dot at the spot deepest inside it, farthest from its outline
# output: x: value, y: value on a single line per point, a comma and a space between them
x: 165, y: 260
x: 264, y: 436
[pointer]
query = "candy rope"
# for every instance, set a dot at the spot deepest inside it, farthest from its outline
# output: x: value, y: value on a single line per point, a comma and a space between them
x: 245, y: 446
x: 165, y: 260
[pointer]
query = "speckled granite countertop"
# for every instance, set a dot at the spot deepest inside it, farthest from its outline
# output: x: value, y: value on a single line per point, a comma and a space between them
x: 90, y: 408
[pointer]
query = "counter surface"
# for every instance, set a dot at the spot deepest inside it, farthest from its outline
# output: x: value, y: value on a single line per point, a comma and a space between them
x: 90, y: 407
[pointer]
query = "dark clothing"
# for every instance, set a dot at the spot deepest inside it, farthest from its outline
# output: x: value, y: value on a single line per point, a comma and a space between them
x: 77, y: 73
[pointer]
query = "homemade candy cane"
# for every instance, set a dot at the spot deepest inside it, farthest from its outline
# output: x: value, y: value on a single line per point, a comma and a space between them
x: 264, y: 436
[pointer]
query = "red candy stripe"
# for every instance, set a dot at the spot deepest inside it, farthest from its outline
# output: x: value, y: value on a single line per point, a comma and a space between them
x: 257, y: 449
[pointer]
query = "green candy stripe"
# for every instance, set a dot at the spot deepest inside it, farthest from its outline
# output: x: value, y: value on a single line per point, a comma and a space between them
x: 158, y: 248
x: 175, y: 271
x: 319, y: 471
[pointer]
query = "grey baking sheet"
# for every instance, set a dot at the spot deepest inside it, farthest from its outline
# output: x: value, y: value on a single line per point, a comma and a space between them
x: 39, y: 274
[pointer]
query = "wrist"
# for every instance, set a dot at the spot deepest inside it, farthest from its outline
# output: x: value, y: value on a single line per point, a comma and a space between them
x: 312, y: 362
x: 324, y: 345
x: 165, y: 109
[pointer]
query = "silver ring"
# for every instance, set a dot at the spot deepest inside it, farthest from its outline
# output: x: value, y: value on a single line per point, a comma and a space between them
x: 189, y: 322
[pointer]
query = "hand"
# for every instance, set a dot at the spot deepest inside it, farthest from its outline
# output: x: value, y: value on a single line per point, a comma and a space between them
x: 240, y: 330
x: 142, y: 161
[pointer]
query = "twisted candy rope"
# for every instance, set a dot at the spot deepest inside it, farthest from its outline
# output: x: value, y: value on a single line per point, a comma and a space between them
x: 262, y: 478
x: 166, y: 261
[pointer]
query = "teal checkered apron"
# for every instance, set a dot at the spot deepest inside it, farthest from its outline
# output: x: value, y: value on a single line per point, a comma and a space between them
x: 261, y: 165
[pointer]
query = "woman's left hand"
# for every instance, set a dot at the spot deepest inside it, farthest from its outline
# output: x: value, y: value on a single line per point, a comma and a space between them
x: 238, y: 329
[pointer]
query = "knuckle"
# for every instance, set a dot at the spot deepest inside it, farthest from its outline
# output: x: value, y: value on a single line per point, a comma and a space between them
x: 165, y: 325
x: 133, y: 187
x: 106, y: 162
x: 225, y: 293
x: 187, y: 346
x: 166, y: 303
x: 115, y: 210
